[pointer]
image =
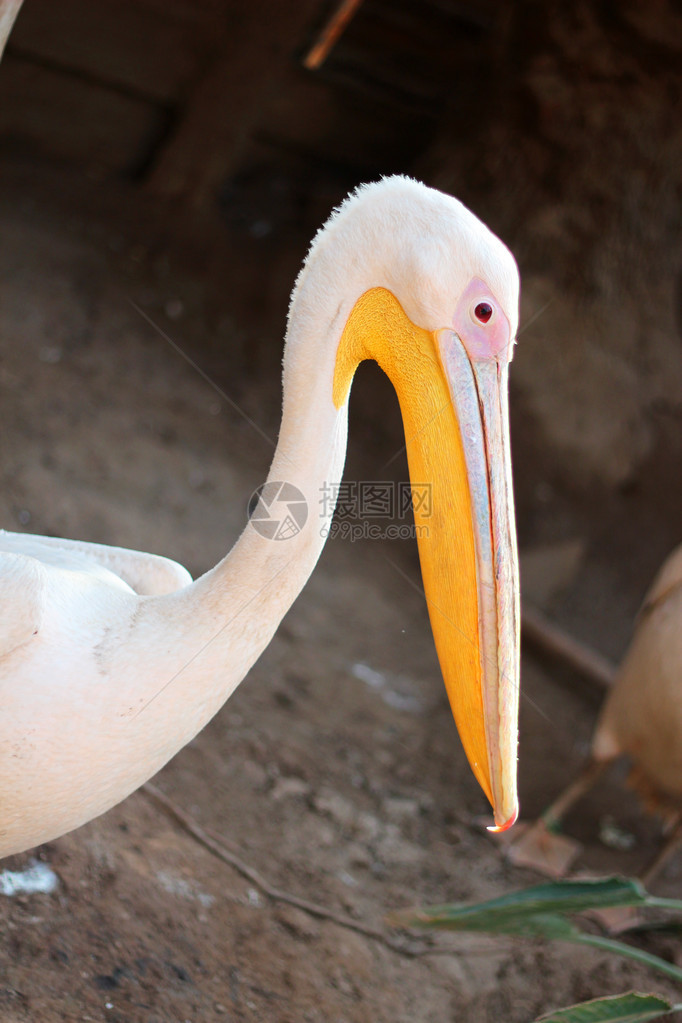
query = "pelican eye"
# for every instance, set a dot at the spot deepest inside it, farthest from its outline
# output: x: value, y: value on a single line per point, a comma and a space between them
x: 483, y: 311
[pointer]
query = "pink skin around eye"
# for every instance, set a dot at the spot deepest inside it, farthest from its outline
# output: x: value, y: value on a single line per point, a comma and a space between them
x: 489, y: 340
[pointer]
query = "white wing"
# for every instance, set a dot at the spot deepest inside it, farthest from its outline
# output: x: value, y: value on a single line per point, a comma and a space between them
x: 145, y: 574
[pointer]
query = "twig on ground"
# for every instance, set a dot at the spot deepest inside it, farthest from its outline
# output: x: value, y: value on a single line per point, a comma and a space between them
x: 218, y: 847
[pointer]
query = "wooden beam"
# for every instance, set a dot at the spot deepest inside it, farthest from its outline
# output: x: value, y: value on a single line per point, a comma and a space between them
x: 65, y: 117
x: 225, y: 105
x: 552, y: 639
x: 131, y: 46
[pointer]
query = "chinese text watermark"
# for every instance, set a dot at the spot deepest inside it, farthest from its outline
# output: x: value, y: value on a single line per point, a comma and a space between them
x: 362, y: 510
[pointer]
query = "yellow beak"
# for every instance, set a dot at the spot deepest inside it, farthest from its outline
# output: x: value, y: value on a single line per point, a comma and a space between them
x: 455, y: 417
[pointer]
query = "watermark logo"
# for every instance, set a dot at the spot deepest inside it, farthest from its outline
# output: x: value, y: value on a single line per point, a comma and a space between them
x: 361, y: 510
x: 375, y: 499
x: 345, y: 529
x: 278, y: 510
x: 375, y: 510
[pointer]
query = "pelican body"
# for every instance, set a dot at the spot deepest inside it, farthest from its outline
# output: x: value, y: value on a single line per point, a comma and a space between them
x: 112, y: 660
x: 642, y: 714
x: 641, y: 718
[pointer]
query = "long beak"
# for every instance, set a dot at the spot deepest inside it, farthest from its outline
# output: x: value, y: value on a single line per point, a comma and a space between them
x: 479, y: 393
x: 456, y: 429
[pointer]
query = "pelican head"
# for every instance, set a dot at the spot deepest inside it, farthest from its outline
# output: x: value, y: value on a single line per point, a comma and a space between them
x: 431, y: 295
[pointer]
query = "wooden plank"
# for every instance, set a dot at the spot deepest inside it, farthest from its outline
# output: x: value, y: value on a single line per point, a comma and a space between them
x: 226, y: 104
x: 59, y: 116
x: 126, y: 43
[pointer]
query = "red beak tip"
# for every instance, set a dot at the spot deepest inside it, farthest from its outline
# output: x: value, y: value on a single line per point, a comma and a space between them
x: 497, y: 829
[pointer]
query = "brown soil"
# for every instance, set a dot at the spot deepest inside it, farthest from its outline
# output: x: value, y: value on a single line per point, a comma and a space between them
x: 351, y: 795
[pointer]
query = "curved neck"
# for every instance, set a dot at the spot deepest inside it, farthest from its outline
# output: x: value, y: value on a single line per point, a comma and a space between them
x: 309, y: 458
x: 218, y: 626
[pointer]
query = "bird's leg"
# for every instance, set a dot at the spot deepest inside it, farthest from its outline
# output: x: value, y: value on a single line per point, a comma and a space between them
x: 617, y: 919
x: 556, y: 811
x: 671, y: 844
x: 624, y: 918
x: 539, y: 846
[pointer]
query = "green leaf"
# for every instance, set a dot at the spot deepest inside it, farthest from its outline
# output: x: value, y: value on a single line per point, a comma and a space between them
x: 536, y: 910
x: 629, y: 1008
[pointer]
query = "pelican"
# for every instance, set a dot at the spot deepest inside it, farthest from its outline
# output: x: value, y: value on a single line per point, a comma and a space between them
x: 112, y: 660
x: 641, y: 718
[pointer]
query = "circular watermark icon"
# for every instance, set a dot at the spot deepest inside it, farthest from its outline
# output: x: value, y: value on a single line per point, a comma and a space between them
x: 278, y: 510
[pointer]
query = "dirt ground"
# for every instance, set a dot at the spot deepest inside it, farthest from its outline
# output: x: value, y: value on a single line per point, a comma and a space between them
x: 335, y: 770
